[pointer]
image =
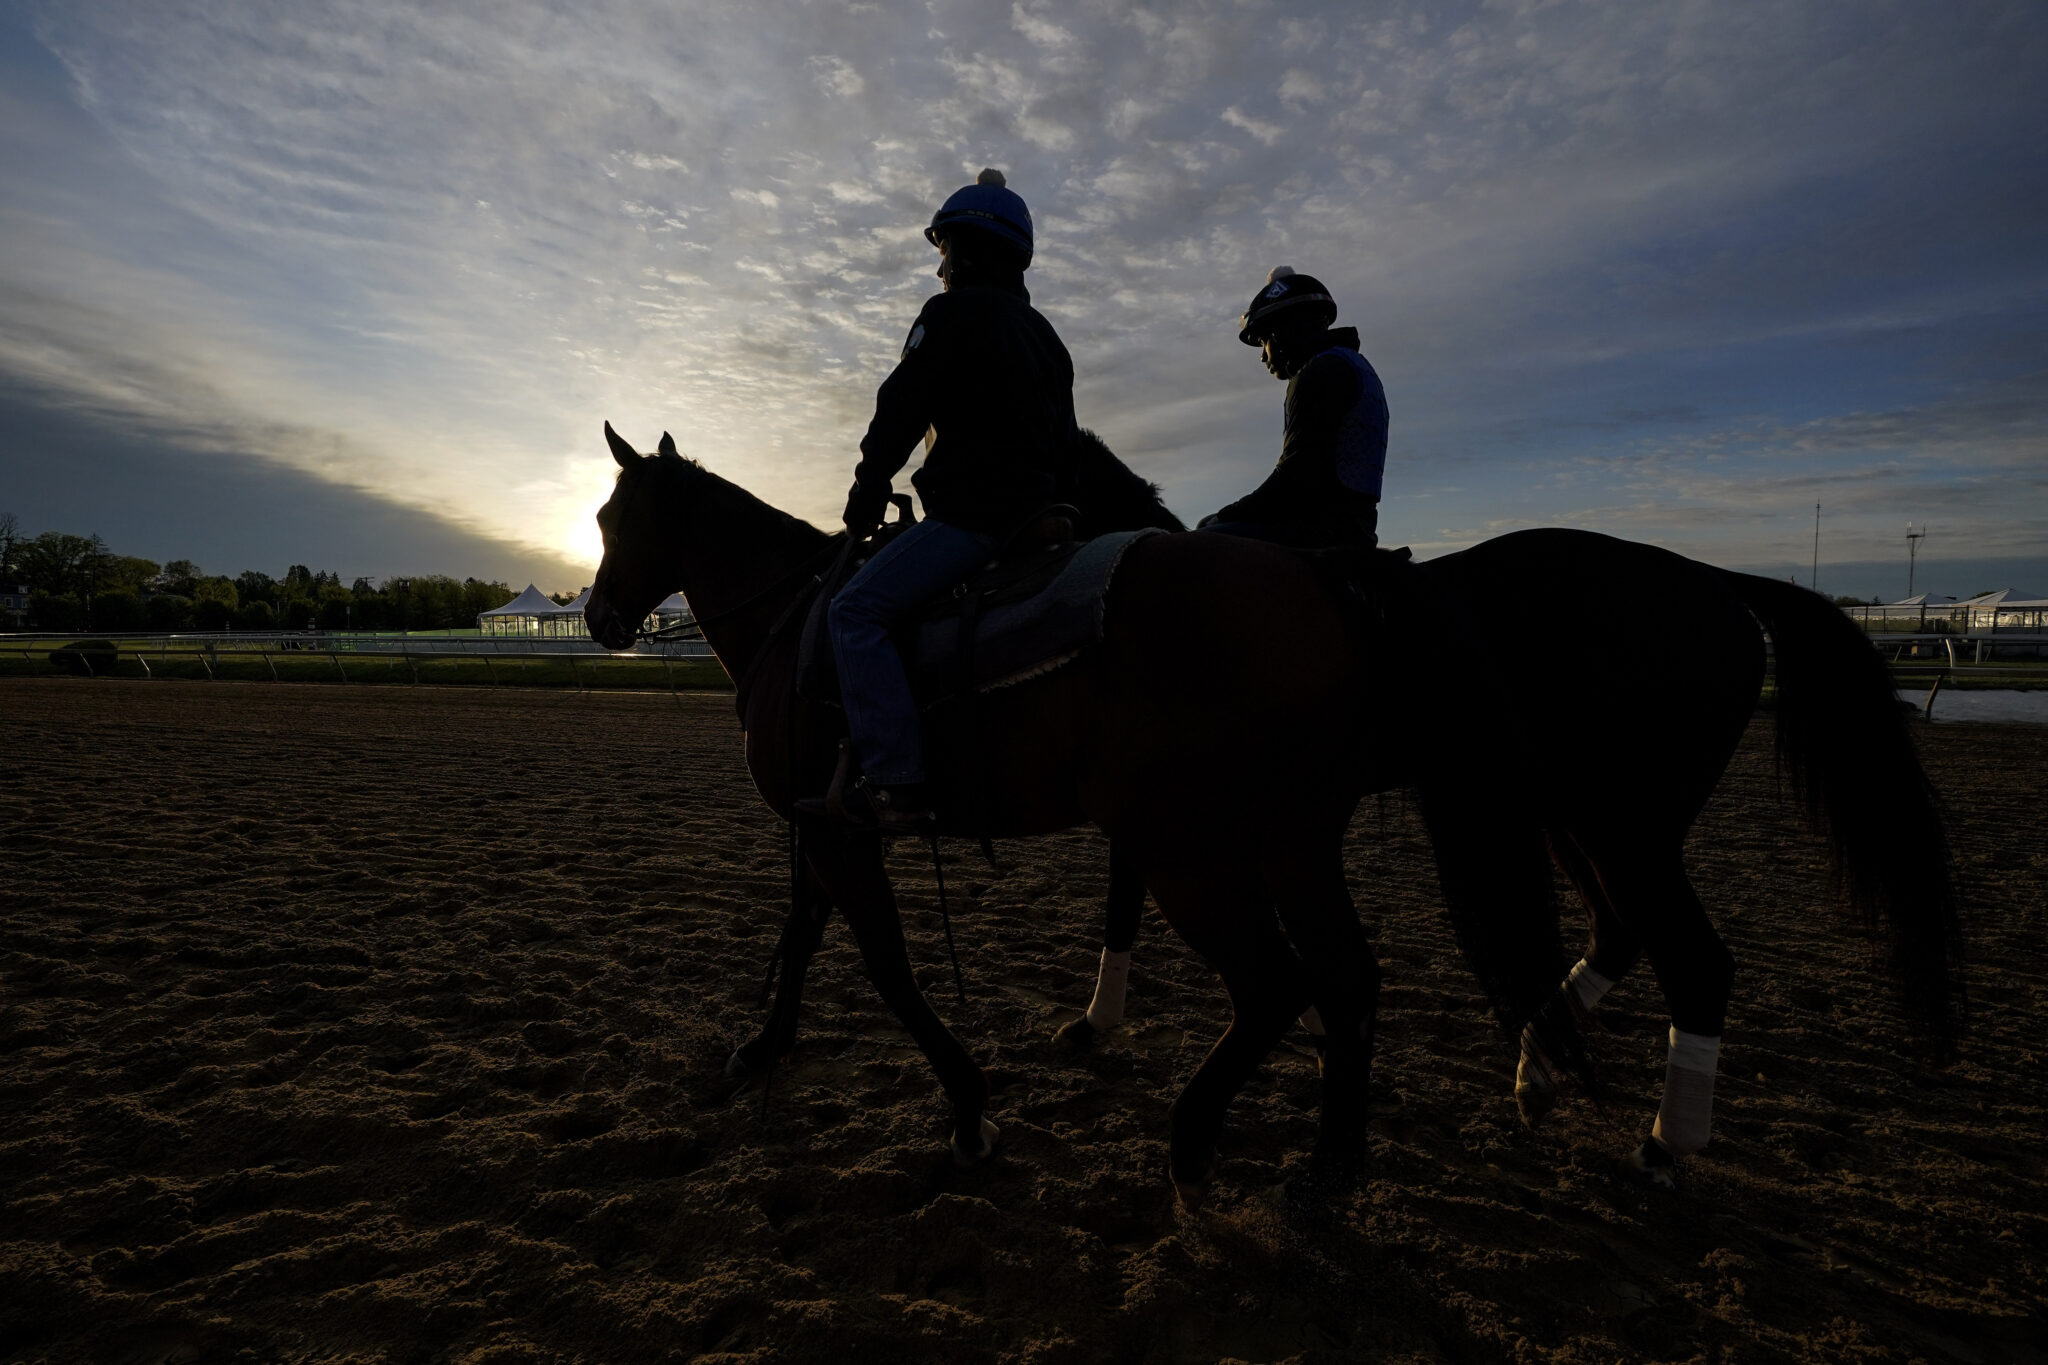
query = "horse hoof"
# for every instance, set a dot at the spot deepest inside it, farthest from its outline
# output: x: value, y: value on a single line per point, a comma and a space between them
x: 1077, y: 1035
x: 1651, y: 1164
x: 748, y: 1059
x: 1534, y: 1103
x: 1191, y: 1194
x: 966, y: 1160
x: 1535, y: 1092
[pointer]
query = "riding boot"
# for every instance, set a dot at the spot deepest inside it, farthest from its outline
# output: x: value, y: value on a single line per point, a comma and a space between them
x: 900, y: 809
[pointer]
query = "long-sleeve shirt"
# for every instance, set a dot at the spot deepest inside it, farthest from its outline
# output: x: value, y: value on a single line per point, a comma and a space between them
x: 985, y: 372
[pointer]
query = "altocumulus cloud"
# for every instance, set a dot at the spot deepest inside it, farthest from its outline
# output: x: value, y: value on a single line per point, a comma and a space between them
x: 1670, y: 270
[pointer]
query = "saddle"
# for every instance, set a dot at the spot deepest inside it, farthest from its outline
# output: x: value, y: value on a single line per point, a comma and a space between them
x: 1037, y: 606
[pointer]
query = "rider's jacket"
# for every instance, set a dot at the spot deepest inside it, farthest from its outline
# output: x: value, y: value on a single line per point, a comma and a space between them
x: 1333, y: 449
x: 985, y: 372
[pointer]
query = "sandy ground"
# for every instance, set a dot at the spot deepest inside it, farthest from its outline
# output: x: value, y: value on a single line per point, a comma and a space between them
x: 386, y: 1024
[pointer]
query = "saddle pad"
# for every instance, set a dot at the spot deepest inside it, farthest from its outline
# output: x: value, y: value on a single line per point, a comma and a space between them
x: 1022, y: 638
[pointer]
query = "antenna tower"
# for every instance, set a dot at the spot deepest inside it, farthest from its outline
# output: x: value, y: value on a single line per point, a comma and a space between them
x: 1913, y: 539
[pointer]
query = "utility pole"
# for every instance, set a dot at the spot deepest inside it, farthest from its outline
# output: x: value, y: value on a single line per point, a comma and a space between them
x: 1913, y: 539
x: 1814, y: 581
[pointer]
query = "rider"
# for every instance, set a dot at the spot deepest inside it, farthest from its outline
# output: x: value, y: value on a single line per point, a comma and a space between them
x: 987, y: 384
x: 1326, y: 488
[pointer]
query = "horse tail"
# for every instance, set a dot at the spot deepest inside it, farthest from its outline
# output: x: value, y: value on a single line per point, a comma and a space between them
x: 1842, y: 735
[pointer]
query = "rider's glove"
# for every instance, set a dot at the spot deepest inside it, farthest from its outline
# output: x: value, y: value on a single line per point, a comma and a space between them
x: 864, y: 508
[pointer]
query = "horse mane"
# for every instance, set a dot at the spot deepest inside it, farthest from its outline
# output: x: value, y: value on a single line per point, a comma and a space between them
x: 770, y: 528
x: 1112, y: 496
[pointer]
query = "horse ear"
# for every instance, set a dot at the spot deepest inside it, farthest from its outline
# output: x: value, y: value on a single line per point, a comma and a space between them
x: 668, y: 444
x: 621, y: 452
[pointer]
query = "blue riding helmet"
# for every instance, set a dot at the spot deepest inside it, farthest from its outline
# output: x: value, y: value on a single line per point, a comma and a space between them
x: 987, y: 206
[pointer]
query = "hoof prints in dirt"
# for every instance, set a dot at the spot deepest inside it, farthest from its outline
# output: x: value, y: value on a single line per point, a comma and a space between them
x: 390, y: 1024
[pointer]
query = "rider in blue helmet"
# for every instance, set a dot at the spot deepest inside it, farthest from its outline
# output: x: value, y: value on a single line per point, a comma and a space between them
x: 985, y: 382
x: 1325, y: 490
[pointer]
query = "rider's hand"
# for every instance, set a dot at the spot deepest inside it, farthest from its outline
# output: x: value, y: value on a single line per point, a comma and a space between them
x: 864, y: 508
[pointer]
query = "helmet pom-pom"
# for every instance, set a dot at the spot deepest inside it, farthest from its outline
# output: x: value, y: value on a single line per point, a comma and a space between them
x: 990, y: 176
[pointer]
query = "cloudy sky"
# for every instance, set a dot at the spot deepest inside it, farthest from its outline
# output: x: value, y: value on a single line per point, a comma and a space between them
x: 356, y: 283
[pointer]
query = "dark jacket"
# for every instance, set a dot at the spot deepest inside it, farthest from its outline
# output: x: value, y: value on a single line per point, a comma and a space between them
x: 1333, y: 450
x: 985, y: 371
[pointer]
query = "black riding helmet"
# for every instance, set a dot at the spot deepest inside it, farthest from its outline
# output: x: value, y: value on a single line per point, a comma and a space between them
x: 1286, y: 297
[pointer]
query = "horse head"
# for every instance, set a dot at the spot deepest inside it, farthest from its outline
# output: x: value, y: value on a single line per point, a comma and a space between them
x: 641, y: 564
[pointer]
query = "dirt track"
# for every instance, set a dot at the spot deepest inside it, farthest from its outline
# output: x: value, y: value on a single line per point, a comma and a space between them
x: 386, y: 1024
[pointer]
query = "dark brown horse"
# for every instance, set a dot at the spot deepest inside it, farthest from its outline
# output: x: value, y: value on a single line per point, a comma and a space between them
x: 1126, y: 737
x: 1225, y: 777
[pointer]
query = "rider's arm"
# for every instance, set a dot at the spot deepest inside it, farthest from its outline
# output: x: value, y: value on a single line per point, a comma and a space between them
x: 1322, y: 394
x: 903, y: 406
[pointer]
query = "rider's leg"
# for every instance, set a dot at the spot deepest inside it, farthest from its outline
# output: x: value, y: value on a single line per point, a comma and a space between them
x: 903, y: 575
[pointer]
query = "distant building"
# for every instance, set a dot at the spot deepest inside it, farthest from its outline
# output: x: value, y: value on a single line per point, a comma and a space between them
x: 13, y: 606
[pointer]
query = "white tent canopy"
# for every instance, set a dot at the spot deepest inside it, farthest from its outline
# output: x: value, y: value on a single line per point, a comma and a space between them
x: 2004, y: 597
x: 532, y: 602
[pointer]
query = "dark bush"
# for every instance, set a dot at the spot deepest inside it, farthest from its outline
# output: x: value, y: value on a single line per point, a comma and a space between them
x: 166, y: 611
x: 85, y: 658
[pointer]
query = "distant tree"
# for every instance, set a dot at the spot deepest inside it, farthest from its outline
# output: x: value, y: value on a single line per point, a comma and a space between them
x: 216, y: 591
x: 56, y: 562
x: 212, y: 613
x: 253, y: 585
x: 256, y: 615
x: 116, y: 610
x: 298, y: 613
x: 166, y: 611
x: 10, y: 536
x: 128, y: 573
x: 55, y: 611
x: 176, y: 578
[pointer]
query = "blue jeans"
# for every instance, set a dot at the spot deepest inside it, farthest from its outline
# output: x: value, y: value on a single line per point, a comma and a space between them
x: 904, y: 575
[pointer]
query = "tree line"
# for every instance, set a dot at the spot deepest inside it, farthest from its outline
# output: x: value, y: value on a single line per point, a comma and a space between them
x: 77, y: 583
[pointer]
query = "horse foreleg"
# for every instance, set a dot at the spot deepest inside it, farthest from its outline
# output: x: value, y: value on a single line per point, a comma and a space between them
x: 1219, y: 911
x: 849, y: 866
x: 1344, y: 980
x: 802, y: 932
x: 1119, y: 932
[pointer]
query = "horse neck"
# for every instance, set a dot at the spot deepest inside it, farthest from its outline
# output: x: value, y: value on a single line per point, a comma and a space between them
x: 741, y: 576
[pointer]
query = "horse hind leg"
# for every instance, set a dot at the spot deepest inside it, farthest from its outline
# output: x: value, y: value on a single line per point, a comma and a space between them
x: 849, y: 867
x: 1656, y: 902
x: 1495, y: 872
x: 1125, y: 909
x: 1611, y: 950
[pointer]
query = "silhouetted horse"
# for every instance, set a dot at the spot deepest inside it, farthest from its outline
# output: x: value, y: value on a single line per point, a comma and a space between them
x: 1597, y: 749
x: 1127, y: 737
x: 1227, y: 777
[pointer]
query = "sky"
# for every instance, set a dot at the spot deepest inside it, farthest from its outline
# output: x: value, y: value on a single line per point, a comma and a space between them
x: 357, y: 283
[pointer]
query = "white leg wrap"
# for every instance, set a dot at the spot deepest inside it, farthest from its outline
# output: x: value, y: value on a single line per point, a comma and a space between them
x: 1685, y: 1119
x: 1312, y: 1021
x: 1106, y: 1010
x: 1588, y: 984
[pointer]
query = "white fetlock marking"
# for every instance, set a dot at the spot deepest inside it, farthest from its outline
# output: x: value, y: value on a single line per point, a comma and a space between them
x: 988, y: 1147
x: 1106, y: 1010
x: 1685, y: 1119
x: 1588, y: 985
